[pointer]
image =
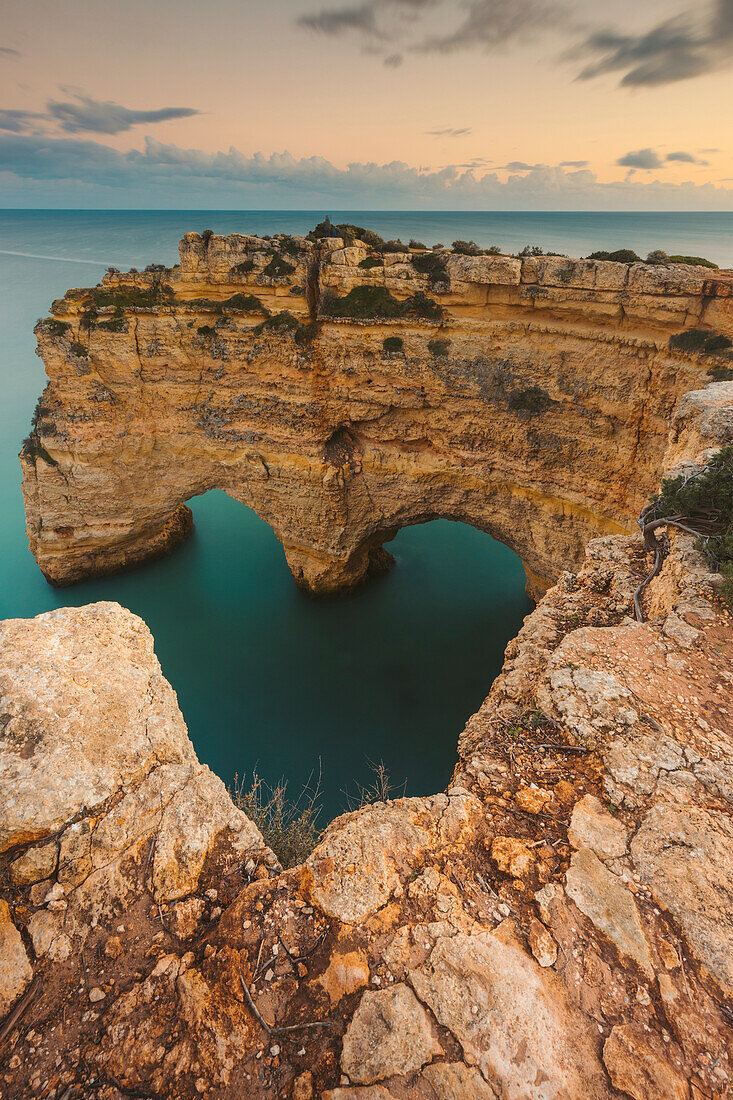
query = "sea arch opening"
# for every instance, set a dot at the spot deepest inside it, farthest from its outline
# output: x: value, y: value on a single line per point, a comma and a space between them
x: 298, y: 688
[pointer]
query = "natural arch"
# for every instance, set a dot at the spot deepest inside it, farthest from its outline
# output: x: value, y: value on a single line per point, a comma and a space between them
x: 536, y: 407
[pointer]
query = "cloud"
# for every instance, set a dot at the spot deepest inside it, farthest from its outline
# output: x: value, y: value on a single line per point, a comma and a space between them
x: 681, y: 48
x: 574, y: 163
x: 642, y: 158
x: 363, y: 18
x: 18, y: 122
x: 685, y: 158
x: 6, y: 52
x: 87, y: 115
x: 489, y: 23
x: 450, y: 131
x: 57, y: 170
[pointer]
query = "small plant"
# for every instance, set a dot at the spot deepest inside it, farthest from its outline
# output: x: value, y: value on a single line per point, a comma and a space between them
x: 394, y: 246
x: 113, y: 270
x: 289, y: 245
x: 700, y: 340
x: 531, y: 250
x: 439, y: 348
x: 116, y: 323
x: 78, y: 350
x: 53, y: 327
x: 243, y: 268
x: 247, y: 303
x: 694, y: 261
x: 530, y: 402
x: 305, y: 334
x: 278, y: 268
x: 130, y: 296
x: 206, y: 330
x: 620, y: 256
x: 381, y: 789
x: 432, y: 264
x: 467, y: 248
x: 372, y: 302
x: 701, y: 504
x: 369, y: 262
x: 280, y: 324
x: 151, y: 268
x: 416, y: 244
x: 493, y: 250
x: 289, y: 827
x: 393, y: 345
x: 657, y: 256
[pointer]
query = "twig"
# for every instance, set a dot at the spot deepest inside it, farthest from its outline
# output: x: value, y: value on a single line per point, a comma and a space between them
x: 300, y: 1027
x: 560, y: 748
x: 20, y: 1008
x: 253, y: 1007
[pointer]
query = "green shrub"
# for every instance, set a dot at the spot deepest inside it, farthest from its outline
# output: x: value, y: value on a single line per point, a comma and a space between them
x: 532, y: 250
x: 431, y: 264
x: 206, y: 330
x: 247, y: 303
x: 657, y: 256
x: 278, y: 267
x: 376, y: 302
x: 53, y: 327
x: 290, y: 245
x: 280, y: 324
x: 493, y: 250
x: 242, y: 269
x: 33, y: 449
x: 393, y: 345
x: 530, y: 402
x: 151, y: 268
x: 693, y: 261
x: 700, y: 340
x: 370, y: 261
x: 705, y: 503
x: 116, y: 323
x: 394, y: 246
x: 439, y: 348
x: 352, y: 233
x: 131, y: 296
x: 416, y: 244
x: 306, y: 333
x: 620, y: 256
x: 467, y: 248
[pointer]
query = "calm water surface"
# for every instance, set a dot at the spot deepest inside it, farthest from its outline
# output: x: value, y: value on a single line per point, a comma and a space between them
x: 266, y: 677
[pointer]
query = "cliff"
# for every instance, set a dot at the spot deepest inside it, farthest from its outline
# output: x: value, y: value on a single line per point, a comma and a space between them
x: 558, y: 924
x: 530, y: 398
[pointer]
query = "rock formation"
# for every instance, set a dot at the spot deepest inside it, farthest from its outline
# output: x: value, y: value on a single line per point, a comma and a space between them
x: 556, y: 926
x: 530, y: 398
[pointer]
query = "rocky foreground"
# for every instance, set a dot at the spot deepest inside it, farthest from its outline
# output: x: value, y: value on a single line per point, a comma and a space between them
x: 558, y: 924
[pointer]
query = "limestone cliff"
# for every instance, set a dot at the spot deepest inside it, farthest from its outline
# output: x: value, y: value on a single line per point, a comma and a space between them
x: 343, y: 394
x: 556, y: 926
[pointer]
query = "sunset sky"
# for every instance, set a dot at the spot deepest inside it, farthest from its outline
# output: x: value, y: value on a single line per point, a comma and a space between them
x: 482, y: 104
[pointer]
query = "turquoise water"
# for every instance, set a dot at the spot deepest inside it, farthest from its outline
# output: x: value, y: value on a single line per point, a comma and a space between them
x: 265, y: 676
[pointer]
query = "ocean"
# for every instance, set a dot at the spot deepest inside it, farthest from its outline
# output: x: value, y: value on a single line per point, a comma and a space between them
x: 267, y: 678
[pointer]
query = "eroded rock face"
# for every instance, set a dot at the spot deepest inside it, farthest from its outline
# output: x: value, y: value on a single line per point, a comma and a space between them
x: 536, y: 407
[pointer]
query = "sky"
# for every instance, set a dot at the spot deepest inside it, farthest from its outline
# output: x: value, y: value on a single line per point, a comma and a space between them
x: 367, y: 104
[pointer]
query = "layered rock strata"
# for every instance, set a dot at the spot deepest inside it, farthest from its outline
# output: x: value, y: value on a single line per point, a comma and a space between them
x: 556, y: 926
x: 530, y: 398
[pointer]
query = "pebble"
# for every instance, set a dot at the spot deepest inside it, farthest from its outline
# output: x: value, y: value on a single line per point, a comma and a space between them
x: 274, y: 1050
x: 96, y: 994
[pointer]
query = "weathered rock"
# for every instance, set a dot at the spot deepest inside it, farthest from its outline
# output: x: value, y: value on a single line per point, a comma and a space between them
x: 512, y: 856
x: 510, y: 1017
x: 36, y: 864
x: 591, y: 826
x: 542, y: 944
x: 639, y: 1066
x: 390, y: 1034
x: 601, y: 896
x: 454, y: 1081
x: 16, y: 971
x: 686, y: 856
x: 346, y: 973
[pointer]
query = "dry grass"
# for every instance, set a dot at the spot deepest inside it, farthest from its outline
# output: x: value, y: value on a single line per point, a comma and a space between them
x: 289, y: 827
